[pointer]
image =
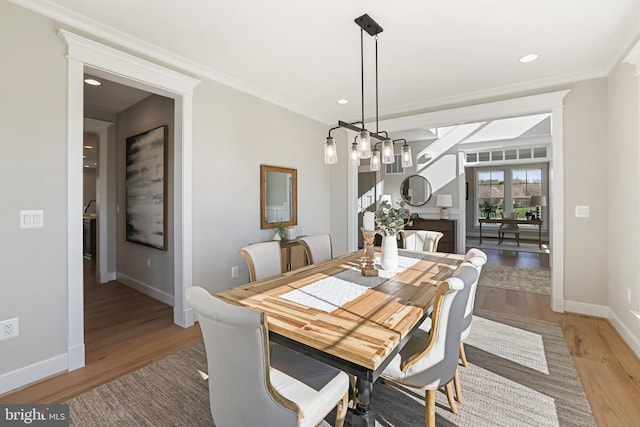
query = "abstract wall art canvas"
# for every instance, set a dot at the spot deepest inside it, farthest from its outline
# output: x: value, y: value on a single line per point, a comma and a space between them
x: 146, y: 188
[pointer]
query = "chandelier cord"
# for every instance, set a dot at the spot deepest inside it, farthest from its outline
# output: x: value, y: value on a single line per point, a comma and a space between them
x: 362, y: 73
x: 377, y: 130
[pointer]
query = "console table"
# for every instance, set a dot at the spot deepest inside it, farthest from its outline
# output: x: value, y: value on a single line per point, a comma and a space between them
x: 537, y: 222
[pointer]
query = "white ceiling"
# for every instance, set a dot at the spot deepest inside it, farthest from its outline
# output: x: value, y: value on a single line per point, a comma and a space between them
x: 306, y: 55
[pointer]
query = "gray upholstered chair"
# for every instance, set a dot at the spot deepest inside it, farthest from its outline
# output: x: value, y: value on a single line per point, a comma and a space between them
x: 251, y: 386
x: 477, y: 258
x: 476, y: 253
x: 429, y: 360
x: 509, y: 228
x: 264, y: 259
x: 317, y: 247
x: 421, y: 240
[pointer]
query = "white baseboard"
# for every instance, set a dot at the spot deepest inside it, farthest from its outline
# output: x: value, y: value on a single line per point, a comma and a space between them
x: 107, y: 276
x: 32, y: 373
x: 587, y: 309
x: 145, y: 289
x: 558, y: 304
x: 627, y: 335
x: 187, y: 319
x: 75, y: 357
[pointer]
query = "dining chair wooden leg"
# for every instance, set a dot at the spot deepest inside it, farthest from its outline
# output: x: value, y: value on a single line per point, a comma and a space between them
x: 456, y: 386
x: 341, y: 412
x: 463, y: 356
x: 430, y: 407
x: 449, y: 390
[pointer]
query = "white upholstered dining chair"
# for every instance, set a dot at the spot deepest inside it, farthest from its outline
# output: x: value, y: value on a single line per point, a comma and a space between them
x: 264, y: 259
x: 477, y: 259
x: 317, y: 247
x: 429, y: 360
x: 421, y: 240
x: 251, y: 386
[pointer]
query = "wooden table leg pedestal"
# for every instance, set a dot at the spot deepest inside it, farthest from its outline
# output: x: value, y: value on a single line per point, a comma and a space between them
x: 363, y: 414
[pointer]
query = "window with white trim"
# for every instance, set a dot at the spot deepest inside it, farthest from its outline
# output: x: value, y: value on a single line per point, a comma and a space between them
x: 508, y: 189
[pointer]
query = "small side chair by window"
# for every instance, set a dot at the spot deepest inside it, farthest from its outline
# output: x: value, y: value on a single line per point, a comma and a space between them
x: 317, y: 247
x: 253, y: 385
x: 263, y: 259
x: 421, y: 240
x: 509, y: 228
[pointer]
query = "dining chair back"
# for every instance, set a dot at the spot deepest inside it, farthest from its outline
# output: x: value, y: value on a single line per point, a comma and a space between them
x: 421, y: 240
x: 429, y: 360
x: 264, y: 259
x: 249, y: 385
x: 317, y: 247
x: 509, y: 228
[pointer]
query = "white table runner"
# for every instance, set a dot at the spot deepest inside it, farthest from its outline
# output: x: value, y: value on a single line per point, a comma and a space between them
x: 326, y: 294
x: 333, y: 292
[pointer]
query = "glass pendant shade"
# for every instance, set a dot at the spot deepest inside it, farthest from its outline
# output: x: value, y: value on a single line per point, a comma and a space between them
x: 375, y: 161
x: 355, y: 155
x: 407, y: 158
x: 330, y: 153
x: 387, y: 152
x: 364, y: 145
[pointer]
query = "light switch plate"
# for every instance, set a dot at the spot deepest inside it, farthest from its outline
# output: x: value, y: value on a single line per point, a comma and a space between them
x: 582, y: 211
x: 32, y: 219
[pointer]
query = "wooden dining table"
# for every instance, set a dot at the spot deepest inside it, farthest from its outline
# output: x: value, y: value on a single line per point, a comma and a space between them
x: 359, y: 336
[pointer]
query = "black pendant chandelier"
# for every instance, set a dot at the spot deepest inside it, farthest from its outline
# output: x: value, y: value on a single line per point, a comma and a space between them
x: 361, y: 147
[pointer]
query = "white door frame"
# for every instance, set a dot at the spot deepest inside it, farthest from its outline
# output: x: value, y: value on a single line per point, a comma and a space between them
x: 548, y: 102
x: 103, y: 61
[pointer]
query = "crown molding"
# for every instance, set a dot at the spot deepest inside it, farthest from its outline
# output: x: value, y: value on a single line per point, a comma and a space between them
x: 138, y: 46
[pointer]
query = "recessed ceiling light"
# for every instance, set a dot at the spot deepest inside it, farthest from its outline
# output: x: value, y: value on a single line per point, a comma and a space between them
x: 92, y: 82
x: 529, y: 58
x: 343, y: 101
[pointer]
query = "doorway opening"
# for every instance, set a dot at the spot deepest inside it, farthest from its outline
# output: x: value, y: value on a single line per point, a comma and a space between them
x: 85, y: 55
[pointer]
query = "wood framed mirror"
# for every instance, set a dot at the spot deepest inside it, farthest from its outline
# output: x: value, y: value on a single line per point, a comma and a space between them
x: 278, y: 196
x: 415, y: 190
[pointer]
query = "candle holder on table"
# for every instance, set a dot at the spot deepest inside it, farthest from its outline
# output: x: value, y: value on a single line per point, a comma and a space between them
x: 367, y: 268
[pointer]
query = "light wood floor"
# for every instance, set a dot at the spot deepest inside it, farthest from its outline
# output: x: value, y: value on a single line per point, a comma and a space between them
x: 125, y: 330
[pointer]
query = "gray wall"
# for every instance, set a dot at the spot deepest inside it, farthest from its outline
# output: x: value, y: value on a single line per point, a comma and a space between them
x: 585, y: 183
x: 623, y: 200
x: 233, y: 134
x: 33, y: 175
x: 132, y: 258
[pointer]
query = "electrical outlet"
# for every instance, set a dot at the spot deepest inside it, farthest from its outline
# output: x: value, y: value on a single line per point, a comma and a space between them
x: 9, y: 329
x: 148, y: 262
x: 629, y: 295
x: 234, y: 271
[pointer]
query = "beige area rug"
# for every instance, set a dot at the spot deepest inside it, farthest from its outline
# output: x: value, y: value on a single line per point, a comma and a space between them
x: 520, y: 374
x: 517, y: 279
x: 507, y: 246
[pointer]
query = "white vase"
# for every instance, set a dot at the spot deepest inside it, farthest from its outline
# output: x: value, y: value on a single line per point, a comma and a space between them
x: 389, y: 253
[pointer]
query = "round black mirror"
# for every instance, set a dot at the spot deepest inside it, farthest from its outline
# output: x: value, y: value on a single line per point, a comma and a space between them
x: 415, y: 190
